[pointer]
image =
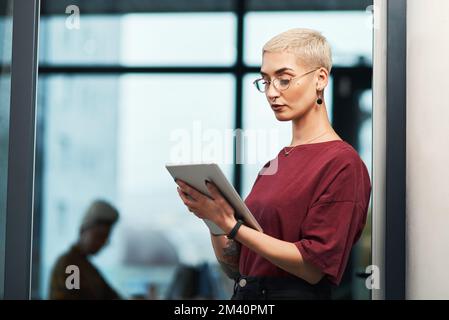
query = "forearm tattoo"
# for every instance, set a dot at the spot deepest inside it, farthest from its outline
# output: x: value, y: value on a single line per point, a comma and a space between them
x: 232, y: 250
x: 229, y: 270
x: 230, y: 260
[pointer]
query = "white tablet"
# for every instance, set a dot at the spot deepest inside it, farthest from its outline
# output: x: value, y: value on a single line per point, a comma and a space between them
x: 196, y: 174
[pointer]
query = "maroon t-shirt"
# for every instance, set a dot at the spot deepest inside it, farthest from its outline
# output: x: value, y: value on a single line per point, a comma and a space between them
x: 317, y: 199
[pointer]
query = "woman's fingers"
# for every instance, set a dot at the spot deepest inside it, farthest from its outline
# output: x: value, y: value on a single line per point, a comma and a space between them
x: 184, y: 197
x: 214, y: 192
x: 196, y: 201
x: 192, y: 192
x: 218, y: 197
x: 189, y: 204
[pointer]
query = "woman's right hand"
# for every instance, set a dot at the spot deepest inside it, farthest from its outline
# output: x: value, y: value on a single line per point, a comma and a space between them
x: 215, y: 209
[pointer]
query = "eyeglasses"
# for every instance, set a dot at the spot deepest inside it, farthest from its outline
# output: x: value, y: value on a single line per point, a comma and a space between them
x: 280, y: 84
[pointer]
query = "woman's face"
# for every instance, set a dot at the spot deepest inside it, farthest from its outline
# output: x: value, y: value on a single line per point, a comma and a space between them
x: 301, y: 95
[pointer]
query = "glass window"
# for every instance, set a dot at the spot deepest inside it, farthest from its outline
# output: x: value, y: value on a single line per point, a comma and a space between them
x: 362, y: 250
x: 188, y: 39
x: 366, y: 127
x: 203, y: 39
x: 351, y: 45
x: 110, y: 138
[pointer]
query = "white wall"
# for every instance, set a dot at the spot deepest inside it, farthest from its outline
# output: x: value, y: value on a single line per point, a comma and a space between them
x: 427, y: 149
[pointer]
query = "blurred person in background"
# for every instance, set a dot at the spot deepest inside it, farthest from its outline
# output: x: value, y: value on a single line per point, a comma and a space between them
x: 95, y: 231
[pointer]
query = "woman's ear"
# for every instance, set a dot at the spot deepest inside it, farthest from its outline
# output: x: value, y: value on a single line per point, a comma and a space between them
x: 322, y: 79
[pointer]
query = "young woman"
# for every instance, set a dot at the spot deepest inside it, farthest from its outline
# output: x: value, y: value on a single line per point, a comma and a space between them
x: 314, y: 207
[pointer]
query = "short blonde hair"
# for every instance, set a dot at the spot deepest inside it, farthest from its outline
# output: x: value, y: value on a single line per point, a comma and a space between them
x: 310, y: 46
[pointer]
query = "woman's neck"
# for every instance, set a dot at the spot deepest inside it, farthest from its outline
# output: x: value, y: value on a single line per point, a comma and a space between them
x: 314, y: 124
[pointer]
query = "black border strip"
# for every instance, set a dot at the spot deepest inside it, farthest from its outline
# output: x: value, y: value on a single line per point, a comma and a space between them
x: 395, y: 244
x: 19, y: 210
x: 117, y: 70
x: 57, y: 7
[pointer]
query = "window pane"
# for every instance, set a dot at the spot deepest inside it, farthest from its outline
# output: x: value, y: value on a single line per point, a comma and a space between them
x: 260, y: 124
x: 185, y: 39
x: 365, y: 136
x: 192, y: 39
x: 110, y: 138
x: 349, y: 33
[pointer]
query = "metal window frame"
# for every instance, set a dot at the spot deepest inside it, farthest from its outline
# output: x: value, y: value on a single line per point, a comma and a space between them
x: 19, y: 207
x: 395, y: 206
x: 389, y: 149
x: 55, y: 7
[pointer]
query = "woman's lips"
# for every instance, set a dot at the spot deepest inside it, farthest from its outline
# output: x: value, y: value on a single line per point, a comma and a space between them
x: 277, y: 107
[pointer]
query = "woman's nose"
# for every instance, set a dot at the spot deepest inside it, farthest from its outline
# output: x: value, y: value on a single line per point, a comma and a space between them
x: 272, y: 93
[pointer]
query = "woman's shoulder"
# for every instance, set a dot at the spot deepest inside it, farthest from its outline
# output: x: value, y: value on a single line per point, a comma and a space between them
x: 342, y: 154
x: 346, y: 151
x: 345, y: 173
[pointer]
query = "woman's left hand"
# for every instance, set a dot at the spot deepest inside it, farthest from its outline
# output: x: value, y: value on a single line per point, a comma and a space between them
x: 217, y: 209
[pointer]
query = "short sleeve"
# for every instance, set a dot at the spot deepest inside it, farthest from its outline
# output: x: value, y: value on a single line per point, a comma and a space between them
x: 333, y: 224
